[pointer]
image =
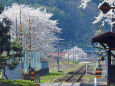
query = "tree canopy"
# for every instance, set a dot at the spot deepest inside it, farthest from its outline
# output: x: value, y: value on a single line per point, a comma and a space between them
x: 71, y: 19
x: 43, y: 29
x: 8, y: 49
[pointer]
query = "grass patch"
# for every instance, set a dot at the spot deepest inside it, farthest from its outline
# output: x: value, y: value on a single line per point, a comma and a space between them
x: 53, y: 75
x: 50, y: 77
x: 88, y: 77
x: 16, y: 83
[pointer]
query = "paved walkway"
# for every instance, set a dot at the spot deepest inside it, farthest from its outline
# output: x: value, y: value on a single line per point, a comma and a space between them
x: 57, y: 84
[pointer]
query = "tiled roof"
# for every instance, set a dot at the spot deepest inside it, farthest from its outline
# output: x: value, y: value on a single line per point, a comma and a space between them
x: 55, y: 54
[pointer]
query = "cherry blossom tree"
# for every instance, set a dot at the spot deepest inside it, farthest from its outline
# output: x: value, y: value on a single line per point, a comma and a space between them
x: 78, y: 53
x: 84, y: 3
x: 43, y: 29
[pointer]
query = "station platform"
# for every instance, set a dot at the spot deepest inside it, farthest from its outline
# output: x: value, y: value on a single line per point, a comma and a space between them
x: 96, y: 82
x: 92, y: 82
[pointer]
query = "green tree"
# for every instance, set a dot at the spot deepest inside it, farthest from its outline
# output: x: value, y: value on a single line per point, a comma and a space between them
x: 9, y: 50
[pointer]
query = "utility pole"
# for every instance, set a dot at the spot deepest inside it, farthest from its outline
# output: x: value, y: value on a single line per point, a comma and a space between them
x: 73, y: 52
x: 68, y: 53
x: 58, y: 59
x: 16, y: 31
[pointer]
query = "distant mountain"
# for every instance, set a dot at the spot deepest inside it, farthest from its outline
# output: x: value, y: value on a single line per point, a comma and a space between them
x: 76, y: 23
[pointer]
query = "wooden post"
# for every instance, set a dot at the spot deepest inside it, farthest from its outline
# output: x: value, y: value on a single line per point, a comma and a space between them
x: 109, y: 66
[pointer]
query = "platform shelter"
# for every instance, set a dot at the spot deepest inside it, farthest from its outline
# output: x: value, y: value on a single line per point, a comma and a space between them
x: 107, y: 40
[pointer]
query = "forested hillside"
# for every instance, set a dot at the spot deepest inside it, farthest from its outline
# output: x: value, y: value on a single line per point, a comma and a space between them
x: 76, y: 23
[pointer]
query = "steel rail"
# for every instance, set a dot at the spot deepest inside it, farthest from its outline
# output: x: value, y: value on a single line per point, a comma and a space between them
x: 74, y: 75
x: 77, y: 80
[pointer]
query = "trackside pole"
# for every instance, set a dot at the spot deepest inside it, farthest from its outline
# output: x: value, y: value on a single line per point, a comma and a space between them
x: 68, y: 54
x: 58, y: 58
x: 73, y: 53
x: 86, y: 69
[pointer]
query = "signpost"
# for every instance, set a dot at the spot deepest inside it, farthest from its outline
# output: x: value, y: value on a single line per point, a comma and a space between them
x: 105, y: 7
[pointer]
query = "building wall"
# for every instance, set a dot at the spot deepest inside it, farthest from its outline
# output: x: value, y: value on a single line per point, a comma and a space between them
x: 35, y: 63
x: 13, y: 74
x: 34, y: 60
x: 44, y: 65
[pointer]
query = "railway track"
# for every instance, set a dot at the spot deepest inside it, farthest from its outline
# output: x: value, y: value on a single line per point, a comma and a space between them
x: 76, y: 76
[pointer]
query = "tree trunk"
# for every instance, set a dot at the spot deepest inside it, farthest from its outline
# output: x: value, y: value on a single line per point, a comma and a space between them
x: 5, y: 73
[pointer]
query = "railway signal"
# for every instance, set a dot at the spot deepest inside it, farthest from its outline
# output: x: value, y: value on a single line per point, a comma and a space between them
x: 105, y: 7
